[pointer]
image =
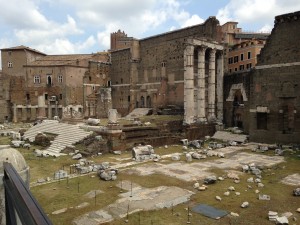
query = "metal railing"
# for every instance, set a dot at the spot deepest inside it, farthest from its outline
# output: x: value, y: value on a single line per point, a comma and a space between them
x: 21, y: 208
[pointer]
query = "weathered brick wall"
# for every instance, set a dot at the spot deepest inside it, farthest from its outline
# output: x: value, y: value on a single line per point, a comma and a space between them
x: 4, y: 101
x: 120, y: 76
x: 268, y: 91
x: 282, y: 46
x: 275, y: 93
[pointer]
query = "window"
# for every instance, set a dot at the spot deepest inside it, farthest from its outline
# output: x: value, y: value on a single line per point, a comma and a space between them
x: 241, y: 67
x: 46, y: 96
x: 242, y: 57
x: 249, y: 55
x: 60, y: 78
x: 9, y: 52
x: 37, y: 79
x: 249, y: 66
x: 261, y: 119
x: 108, y: 83
x: 49, y: 80
x: 235, y: 69
x: 10, y: 64
x: 60, y: 96
x: 235, y: 59
x: 163, y: 64
x: 230, y: 60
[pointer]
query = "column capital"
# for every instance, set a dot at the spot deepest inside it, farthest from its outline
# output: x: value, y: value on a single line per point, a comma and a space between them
x: 189, y: 50
x: 202, y: 48
x: 212, y: 52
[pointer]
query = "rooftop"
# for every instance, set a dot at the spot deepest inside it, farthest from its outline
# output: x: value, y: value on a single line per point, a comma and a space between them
x: 22, y: 47
x: 263, y: 36
x: 60, y: 60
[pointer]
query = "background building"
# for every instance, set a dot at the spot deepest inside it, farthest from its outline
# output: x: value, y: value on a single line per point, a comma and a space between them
x: 44, y: 86
x: 243, y: 56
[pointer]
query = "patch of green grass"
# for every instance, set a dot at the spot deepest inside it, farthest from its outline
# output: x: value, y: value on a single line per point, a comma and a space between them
x: 5, y: 140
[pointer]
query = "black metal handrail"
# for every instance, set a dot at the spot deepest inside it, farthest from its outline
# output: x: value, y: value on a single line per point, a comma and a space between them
x: 20, y: 205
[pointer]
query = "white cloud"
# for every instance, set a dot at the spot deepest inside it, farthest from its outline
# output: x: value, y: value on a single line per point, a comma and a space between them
x: 265, y: 29
x: 134, y: 17
x: 21, y: 14
x: 193, y: 20
x: 48, y: 32
x: 256, y: 11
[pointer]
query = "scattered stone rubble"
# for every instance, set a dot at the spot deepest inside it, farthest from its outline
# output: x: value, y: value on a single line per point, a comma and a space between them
x: 93, y: 121
x: 296, y: 192
x: 143, y: 152
x: 60, y: 174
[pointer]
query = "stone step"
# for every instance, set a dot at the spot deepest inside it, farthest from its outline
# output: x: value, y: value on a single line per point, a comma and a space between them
x: 67, y: 134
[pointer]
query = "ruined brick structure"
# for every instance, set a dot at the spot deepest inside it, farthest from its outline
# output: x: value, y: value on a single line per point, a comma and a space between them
x: 236, y: 100
x: 44, y: 86
x: 97, y: 91
x: 182, y: 68
x: 119, y: 40
x: 275, y: 93
x: 5, y: 114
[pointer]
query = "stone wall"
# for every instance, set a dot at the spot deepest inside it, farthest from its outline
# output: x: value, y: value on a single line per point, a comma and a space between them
x: 275, y: 105
x: 283, y: 44
x: 275, y: 93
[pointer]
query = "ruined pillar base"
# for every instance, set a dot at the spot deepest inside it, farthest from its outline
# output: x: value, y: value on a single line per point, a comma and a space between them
x: 212, y: 119
x: 188, y: 120
x: 201, y: 120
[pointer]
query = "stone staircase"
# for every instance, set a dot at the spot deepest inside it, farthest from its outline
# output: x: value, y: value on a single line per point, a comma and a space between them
x: 138, y: 112
x: 67, y: 135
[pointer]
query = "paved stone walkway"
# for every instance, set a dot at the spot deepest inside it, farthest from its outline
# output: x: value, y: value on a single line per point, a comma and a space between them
x: 293, y: 179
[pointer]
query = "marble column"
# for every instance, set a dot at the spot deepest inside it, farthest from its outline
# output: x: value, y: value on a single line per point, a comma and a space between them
x: 24, y: 113
x: 201, y: 117
x: 49, y: 111
x: 220, y: 80
x: 212, y: 86
x: 189, y: 112
x: 15, y: 116
x: 41, y: 106
x: 33, y: 114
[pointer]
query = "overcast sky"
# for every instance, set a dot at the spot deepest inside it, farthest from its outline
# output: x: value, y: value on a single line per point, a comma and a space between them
x: 84, y: 26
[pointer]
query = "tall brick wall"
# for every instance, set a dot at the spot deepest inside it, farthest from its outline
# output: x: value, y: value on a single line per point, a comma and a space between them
x: 282, y: 46
x: 275, y: 93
